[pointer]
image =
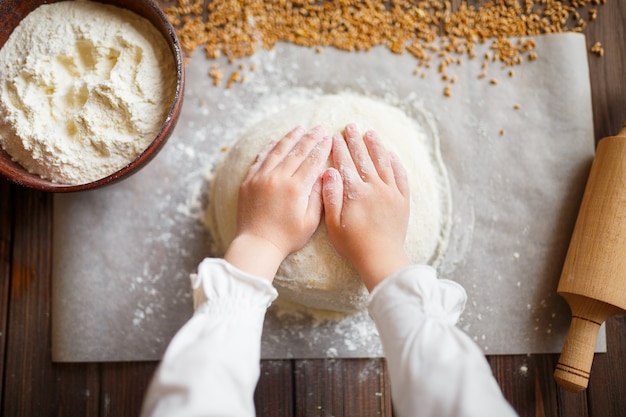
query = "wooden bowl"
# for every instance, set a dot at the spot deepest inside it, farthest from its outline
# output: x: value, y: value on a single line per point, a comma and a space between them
x: 13, y: 11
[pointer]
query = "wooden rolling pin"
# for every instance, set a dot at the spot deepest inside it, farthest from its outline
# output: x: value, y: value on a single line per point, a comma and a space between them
x: 593, y: 281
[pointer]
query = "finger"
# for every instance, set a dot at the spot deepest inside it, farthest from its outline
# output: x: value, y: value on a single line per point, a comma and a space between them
x: 332, y: 194
x: 380, y: 156
x: 276, y: 155
x: 314, y: 209
x: 313, y: 165
x: 260, y: 158
x: 301, y: 151
x: 342, y: 160
x: 400, y: 175
x: 358, y: 150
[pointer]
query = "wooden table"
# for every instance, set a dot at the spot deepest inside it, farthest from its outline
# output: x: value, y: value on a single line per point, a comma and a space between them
x: 32, y: 385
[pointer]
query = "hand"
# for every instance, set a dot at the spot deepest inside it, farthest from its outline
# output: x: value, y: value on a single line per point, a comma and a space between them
x: 366, y: 204
x: 280, y: 202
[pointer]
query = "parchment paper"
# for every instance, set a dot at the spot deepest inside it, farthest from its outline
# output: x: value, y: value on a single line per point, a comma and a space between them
x: 122, y: 254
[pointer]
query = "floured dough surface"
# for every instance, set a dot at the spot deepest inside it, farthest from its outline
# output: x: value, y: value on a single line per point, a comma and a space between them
x: 316, y: 276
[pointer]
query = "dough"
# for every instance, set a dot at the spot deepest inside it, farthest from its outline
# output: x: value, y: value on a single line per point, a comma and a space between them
x: 316, y: 276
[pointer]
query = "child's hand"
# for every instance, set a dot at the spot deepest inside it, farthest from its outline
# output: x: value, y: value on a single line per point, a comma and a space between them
x: 280, y: 202
x: 366, y: 204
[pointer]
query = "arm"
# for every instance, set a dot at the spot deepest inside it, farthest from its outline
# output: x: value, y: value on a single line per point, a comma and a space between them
x: 435, y: 369
x: 211, y: 367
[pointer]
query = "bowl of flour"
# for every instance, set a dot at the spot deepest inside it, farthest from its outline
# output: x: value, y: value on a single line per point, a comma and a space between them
x: 89, y: 91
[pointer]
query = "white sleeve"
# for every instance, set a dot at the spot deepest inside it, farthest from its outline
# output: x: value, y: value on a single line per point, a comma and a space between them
x: 435, y: 369
x: 211, y: 366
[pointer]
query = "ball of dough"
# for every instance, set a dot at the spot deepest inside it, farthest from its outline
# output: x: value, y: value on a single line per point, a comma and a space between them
x: 316, y: 276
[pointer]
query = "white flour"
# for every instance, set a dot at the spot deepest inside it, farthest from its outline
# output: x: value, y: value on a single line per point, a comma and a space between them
x: 84, y: 89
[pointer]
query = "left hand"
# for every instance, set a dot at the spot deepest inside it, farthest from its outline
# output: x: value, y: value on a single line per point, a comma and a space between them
x: 280, y: 202
x: 367, y: 205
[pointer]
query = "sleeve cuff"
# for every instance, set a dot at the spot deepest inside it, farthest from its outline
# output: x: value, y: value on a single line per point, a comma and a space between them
x: 218, y: 281
x: 418, y: 286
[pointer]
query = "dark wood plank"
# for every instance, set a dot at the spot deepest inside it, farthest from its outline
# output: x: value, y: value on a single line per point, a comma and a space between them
x: 607, y: 384
x: 608, y: 83
x: 29, y: 377
x: 76, y: 389
x: 345, y: 387
x: 571, y: 404
x: 33, y: 385
x: 525, y: 385
x: 123, y: 387
x: 274, y: 395
x: 6, y: 233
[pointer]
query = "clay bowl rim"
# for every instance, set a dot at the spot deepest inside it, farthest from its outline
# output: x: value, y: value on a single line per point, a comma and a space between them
x: 15, y: 173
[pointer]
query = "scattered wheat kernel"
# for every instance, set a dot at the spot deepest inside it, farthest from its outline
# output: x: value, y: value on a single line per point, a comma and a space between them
x: 216, y: 74
x: 517, y: 107
x: 501, y: 132
x: 511, y: 73
x: 447, y: 91
x: 444, y: 77
x: 597, y: 49
x: 493, y: 81
x: 482, y: 75
x: 234, y: 77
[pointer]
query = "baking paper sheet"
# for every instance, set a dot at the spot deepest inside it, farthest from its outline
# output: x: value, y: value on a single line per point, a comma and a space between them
x: 122, y: 254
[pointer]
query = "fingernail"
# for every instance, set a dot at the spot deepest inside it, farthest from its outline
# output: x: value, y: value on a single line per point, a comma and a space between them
x: 331, y: 174
x: 351, y: 127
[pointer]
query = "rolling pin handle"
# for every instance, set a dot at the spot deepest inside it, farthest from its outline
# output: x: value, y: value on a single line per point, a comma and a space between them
x: 574, y: 366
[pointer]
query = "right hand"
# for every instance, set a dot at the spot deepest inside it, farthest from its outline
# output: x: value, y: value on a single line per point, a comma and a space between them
x: 280, y: 202
x: 366, y: 204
